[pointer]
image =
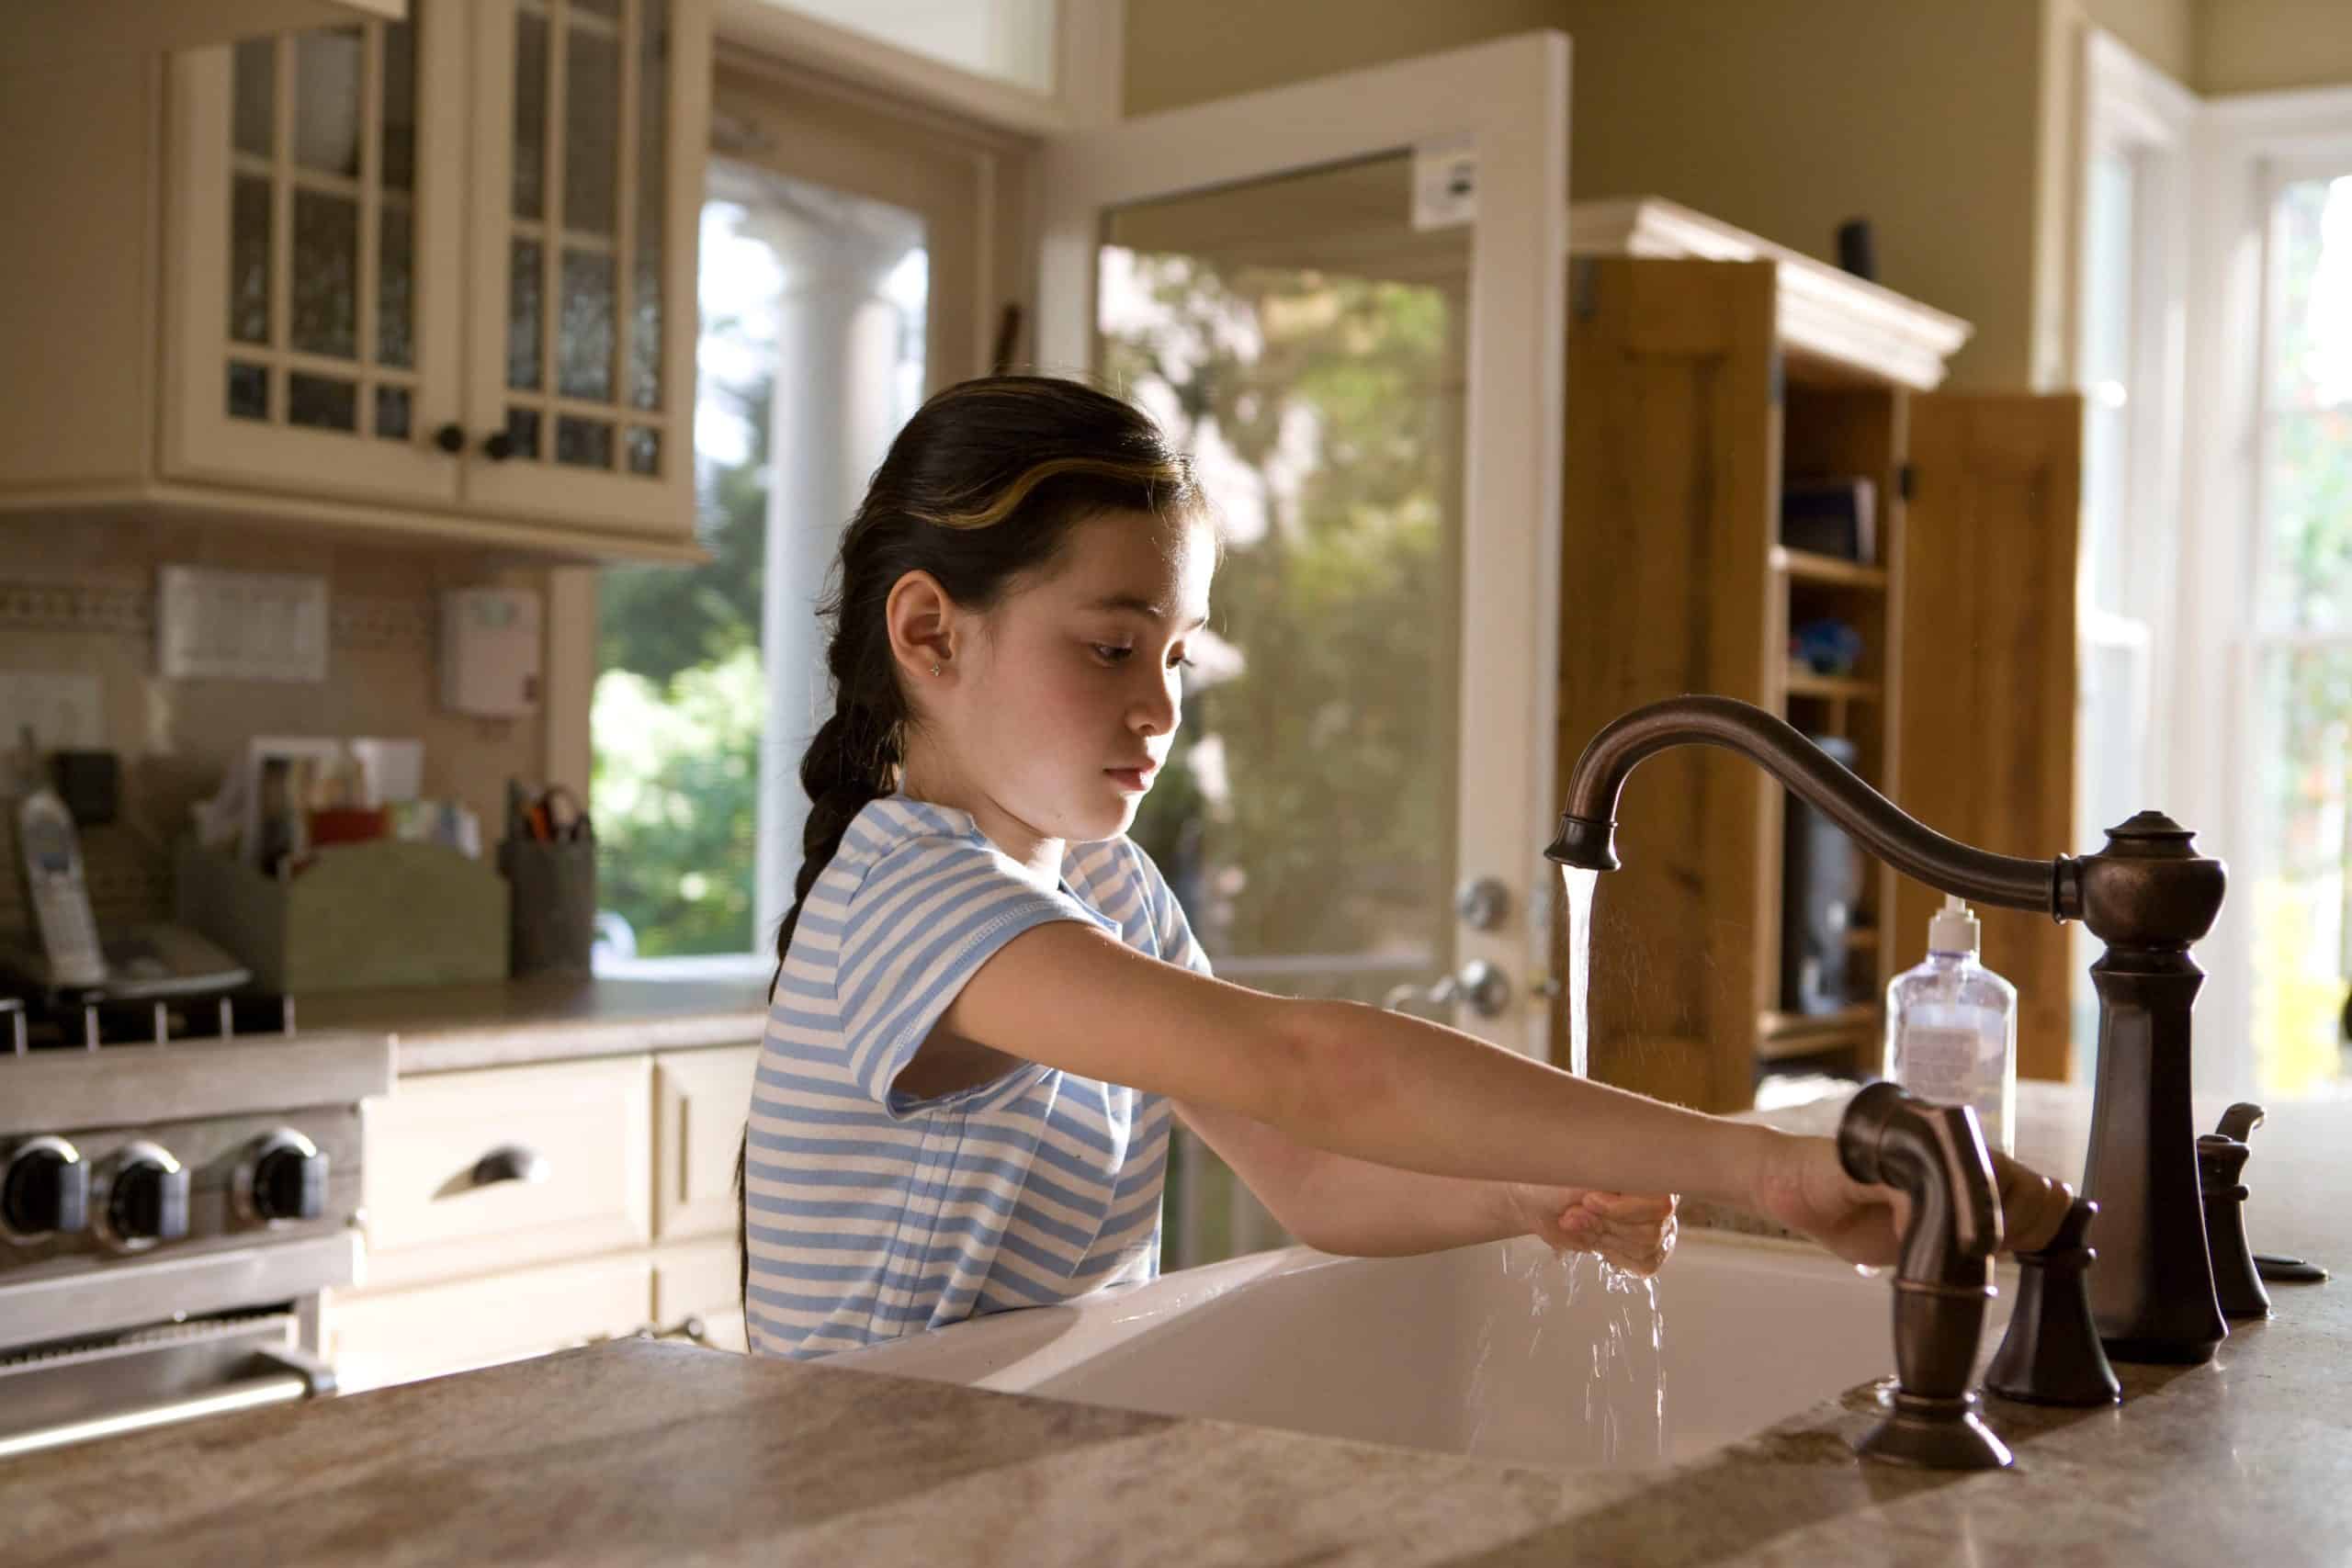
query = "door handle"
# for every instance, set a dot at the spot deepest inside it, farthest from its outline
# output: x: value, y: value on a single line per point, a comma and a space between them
x: 1478, y: 985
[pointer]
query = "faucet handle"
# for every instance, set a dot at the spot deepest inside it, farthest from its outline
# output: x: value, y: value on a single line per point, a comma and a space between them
x: 2050, y: 1354
x: 2240, y: 1120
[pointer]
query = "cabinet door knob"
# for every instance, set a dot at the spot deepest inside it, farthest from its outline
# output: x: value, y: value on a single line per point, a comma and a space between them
x: 451, y: 438
x: 498, y: 446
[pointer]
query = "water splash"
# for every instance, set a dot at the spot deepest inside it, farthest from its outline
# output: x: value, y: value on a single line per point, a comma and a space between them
x: 1578, y: 885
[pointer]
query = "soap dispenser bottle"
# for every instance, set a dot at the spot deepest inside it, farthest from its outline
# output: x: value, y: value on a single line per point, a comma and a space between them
x: 1951, y: 1028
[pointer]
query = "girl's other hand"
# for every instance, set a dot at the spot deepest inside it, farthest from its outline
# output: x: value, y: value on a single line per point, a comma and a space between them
x: 1802, y: 1184
x: 1633, y: 1232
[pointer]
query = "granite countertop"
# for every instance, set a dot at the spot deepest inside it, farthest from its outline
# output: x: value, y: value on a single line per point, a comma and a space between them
x: 439, y: 1028
x: 640, y: 1452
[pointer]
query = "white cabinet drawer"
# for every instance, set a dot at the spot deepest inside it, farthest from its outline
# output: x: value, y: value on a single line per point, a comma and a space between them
x: 388, y: 1337
x: 702, y: 1098
x: 701, y: 1280
x: 437, y: 1207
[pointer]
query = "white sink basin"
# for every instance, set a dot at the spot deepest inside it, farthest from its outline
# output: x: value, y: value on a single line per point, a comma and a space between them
x: 1499, y: 1351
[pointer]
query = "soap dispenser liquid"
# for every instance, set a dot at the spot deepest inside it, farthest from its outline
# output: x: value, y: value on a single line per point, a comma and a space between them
x: 1951, y: 1028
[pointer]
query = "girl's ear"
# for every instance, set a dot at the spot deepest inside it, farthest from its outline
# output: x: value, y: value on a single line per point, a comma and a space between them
x: 922, y: 620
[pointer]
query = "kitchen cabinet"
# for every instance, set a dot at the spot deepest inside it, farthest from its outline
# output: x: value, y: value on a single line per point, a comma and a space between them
x: 52, y: 29
x: 517, y: 1211
x: 432, y: 276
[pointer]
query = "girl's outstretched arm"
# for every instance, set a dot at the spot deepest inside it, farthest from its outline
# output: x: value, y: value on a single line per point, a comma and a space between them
x: 1360, y: 1209
x: 1399, y: 1091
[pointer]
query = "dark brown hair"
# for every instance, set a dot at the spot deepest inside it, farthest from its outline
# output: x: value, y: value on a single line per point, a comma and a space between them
x: 981, y: 487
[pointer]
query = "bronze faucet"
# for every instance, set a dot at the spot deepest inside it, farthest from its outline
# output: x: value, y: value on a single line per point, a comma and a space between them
x: 2148, y: 896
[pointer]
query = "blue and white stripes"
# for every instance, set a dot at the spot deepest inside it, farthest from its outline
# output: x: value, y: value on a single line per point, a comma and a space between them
x: 873, y: 1214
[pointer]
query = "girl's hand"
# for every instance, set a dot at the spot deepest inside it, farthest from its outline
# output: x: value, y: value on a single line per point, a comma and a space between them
x: 1802, y: 1184
x: 1631, y: 1232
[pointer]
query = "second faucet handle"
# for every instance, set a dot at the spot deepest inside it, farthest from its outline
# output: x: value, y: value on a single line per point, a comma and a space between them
x: 2050, y: 1354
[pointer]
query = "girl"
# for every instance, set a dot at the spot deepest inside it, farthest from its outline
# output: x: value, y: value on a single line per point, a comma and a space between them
x: 987, y: 1006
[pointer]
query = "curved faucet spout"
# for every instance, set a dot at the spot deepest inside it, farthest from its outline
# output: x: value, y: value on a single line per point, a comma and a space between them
x: 1587, y: 825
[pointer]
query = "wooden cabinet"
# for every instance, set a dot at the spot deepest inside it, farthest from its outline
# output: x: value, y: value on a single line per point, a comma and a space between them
x: 433, y: 275
x: 517, y: 1211
x: 1706, y: 371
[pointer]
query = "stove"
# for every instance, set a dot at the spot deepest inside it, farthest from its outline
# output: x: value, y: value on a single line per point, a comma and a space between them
x: 180, y: 1181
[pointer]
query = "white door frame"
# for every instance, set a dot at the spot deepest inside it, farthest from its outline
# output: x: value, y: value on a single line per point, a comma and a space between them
x: 1510, y: 99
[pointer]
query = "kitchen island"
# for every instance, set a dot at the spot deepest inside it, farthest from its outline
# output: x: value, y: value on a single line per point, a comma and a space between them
x: 642, y: 1452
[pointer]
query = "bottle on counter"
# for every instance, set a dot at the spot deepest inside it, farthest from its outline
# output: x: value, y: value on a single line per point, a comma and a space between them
x: 1951, y: 1028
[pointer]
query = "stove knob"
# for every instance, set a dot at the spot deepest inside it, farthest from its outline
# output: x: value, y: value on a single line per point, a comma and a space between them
x: 146, y: 1197
x: 46, y: 1189
x: 289, y: 1179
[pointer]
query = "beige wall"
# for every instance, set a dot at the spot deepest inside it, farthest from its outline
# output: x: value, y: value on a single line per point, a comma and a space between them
x: 1783, y: 116
x: 2250, y: 46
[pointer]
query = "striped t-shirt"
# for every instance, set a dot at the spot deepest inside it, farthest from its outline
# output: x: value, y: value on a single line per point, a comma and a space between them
x: 872, y: 1213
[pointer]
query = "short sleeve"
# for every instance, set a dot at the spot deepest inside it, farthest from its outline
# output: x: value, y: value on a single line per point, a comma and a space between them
x: 927, y: 915
x: 1169, y: 928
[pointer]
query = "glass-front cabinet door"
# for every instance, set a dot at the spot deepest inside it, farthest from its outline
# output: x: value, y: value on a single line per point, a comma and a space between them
x: 588, y: 119
x: 314, y: 204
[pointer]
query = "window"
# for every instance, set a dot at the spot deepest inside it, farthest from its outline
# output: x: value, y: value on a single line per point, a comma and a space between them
x: 710, y: 679
x: 2302, y: 619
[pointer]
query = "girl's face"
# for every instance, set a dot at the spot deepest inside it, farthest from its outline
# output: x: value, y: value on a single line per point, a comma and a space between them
x: 1070, y: 699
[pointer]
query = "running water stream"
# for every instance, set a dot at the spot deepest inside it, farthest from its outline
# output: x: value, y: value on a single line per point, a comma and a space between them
x: 1609, y: 1333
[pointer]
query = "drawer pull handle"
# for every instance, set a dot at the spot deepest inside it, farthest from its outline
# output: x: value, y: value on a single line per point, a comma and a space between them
x: 510, y: 1162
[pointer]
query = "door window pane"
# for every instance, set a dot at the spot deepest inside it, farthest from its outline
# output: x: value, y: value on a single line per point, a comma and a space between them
x: 395, y: 285
x: 399, y: 106
x: 583, y: 345
x: 254, y: 78
x: 321, y: 403
x: 591, y: 98
x: 326, y: 100
x: 523, y: 280
x: 584, y: 443
x: 653, y: 187
x: 249, y: 249
x: 326, y: 273
x: 392, y: 413
x: 248, y: 391
x: 1306, y: 345
x: 530, y: 113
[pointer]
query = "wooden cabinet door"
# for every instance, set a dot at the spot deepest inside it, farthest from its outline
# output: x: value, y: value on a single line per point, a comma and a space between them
x: 590, y: 119
x: 313, y: 289
x: 701, y: 1100
x: 1989, y: 678
x: 1669, y: 513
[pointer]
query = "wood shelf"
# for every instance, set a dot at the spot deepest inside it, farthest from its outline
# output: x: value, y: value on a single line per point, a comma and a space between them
x: 1803, y: 566
x: 1804, y: 682
x: 1782, y: 1034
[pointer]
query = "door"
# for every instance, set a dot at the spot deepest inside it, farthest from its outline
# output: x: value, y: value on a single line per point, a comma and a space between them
x: 314, y: 203
x: 1367, y: 370
x: 587, y: 171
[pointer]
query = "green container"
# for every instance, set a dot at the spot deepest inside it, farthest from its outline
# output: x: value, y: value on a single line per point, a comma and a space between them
x: 381, y: 913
